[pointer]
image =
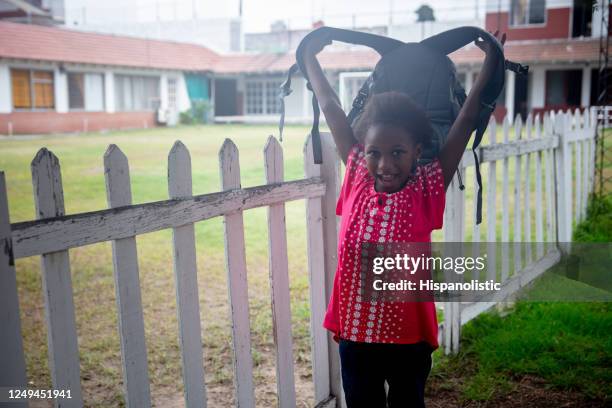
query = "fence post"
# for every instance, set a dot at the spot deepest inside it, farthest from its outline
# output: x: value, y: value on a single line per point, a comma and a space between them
x: 563, y: 179
x: 57, y: 284
x: 453, y: 234
x: 330, y: 173
x: 492, y: 207
x: 527, y: 243
x: 539, y: 210
x: 516, y: 233
x: 12, y: 360
x: 505, y: 228
x: 578, y: 130
x: 593, y: 148
x: 279, y: 280
x: 317, y: 281
x: 237, y: 284
x: 186, y: 281
x: 548, y: 182
x: 127, y: 287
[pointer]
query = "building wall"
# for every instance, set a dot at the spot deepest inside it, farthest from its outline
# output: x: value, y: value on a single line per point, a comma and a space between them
x: 418, y: 31
x: 27, y: 122
x: 557, y: 25
x: 62, y: 119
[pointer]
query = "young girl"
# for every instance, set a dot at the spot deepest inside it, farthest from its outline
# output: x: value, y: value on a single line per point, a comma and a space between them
x: 386, y: 197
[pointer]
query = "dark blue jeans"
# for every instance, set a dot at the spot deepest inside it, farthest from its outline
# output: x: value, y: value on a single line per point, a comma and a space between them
x: 366, y: 367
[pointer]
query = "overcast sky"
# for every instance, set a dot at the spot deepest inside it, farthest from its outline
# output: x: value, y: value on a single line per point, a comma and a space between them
x: 259, y: 14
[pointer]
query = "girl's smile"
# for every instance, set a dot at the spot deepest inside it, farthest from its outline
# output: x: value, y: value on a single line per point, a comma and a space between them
x: 391, y: 155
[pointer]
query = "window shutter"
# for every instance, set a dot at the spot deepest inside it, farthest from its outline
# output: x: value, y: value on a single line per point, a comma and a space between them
x: 20, y: 81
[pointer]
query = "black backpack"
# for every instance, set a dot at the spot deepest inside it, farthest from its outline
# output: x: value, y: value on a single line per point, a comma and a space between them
x: 437, y: 89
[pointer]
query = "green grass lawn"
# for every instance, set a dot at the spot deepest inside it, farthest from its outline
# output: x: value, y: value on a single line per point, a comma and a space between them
x: 81, y: 158
x: 537, y: 351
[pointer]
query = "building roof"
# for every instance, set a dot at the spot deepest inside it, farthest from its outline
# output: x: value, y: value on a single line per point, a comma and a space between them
x: 274, y: 63
x: 30, y: 42
x: 526, y: 52
x: 33, y: 42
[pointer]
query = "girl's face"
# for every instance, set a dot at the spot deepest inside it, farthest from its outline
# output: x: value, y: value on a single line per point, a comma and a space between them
x: 390, y: 154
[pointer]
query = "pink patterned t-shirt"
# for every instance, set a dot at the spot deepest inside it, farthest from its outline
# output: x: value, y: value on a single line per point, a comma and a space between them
x: 408, y: 215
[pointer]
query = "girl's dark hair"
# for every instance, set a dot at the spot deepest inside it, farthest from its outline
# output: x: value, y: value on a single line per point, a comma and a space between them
x: 396, y: 109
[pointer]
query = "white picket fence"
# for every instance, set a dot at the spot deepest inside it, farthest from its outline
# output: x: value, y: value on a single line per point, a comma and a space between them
x: 547, y: 202
x: 54, y: 233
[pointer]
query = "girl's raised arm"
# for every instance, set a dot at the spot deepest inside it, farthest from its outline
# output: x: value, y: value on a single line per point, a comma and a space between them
x: 460, y: 132
x: 328, y: 100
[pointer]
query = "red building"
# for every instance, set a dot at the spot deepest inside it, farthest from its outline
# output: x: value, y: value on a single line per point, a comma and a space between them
x: 560, y: 40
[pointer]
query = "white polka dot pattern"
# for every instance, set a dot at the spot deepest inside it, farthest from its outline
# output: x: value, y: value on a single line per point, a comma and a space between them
x: 375, y: 218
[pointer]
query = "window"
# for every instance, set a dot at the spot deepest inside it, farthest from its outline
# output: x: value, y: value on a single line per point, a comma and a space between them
x: 262, y: 97
x: 350, y: 84
x: 172, y: 94
x: 32, y: 89
x: 582, y: 18
x: 136, y: 93
x: 524, y: 12
x: 462, y: 77
x: 86, y: 91
x: 563, y: 88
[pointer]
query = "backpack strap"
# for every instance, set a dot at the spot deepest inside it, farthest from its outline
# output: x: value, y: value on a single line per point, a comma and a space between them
x: 450, y: 41
x: 380, y: 44
x: 285, y: 89
x: 360, y: 99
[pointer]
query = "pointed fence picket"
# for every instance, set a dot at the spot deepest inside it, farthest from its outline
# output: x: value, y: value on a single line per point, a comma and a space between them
x: 518, y: 184
x: 237, y: 282
x: 539, y: 216
x: 527, y: 195
x: 57, y: 283
x: 54, y: 233
x: 318, y: 287
x: 10, y: 335
x: 185, y: 276
x: 279, y: 280
x: 127, y: 287
x: 505, y: 228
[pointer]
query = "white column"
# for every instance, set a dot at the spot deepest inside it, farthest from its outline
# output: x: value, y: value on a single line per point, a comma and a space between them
x: 182, y: 96
x: 510, y: 79
x: 213, y: 90
x: 60, y: 82
x: 241, y: 87
x: 469, y: 81
x: 596, y: 22
x: 537, y: 88
x: 109, y: 91
x: 5, y: 89
x: 585, y: 94
x: 163, y: 91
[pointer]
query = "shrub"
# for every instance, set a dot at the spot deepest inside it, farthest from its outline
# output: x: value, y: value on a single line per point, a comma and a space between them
x: 199, y: 113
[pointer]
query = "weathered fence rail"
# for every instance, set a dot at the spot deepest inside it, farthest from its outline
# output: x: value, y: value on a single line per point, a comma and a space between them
x: 561, y: 147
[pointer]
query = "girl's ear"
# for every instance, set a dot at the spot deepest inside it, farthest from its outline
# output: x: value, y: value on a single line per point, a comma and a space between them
x: 418, y: 150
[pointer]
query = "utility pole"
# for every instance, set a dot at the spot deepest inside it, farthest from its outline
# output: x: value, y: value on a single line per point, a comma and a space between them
x: 605, y: 151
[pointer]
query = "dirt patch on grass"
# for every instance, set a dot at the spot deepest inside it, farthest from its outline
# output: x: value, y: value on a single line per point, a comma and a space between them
x: 524, y: 392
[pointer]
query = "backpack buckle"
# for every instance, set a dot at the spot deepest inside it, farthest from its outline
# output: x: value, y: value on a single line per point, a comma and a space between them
x: 359, y: 101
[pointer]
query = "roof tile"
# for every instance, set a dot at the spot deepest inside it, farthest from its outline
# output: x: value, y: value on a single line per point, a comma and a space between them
x: 33, y: 42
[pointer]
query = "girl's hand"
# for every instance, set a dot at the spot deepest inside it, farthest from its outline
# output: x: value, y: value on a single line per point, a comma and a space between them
x: 490, y: 61
x: 486, y: 46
